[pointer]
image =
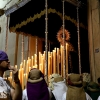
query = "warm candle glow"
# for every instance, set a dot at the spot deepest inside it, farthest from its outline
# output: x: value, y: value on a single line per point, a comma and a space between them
x: 24, y: 64
x: 35, y: 58
x: 22, y: 75
x: 67, y: 60
x: 58, y: 61
x: 61, y: 60
x: 39, y: 59
x: 27, y: 67
x: 20, y: 65
x: 32, y: 61
x: 54, y: 59
x: 49, y: 64
x: 10, y: 74
x: 16, y: 66
x: 19, y: 73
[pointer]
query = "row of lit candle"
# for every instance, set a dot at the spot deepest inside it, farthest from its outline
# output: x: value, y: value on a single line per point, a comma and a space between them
x: 55, y: 58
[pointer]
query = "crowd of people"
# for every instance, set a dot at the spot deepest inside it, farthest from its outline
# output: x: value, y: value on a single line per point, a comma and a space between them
x: 38, y: 89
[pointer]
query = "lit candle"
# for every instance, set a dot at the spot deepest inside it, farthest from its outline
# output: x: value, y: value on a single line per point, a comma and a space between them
x: 35, y: 59
x: 22, y: 78
x: 51, y: 65
x: 33, y: 67
x: 19, y: 74
x: 44, y: 56
x: 27, y: 67
x: 20, y: 65
x: 39, y: 59
x: 28, y: 62
x: 11, y: 79
x: 54, y: 61
x: 61, y: 60
x: 36, y: 66
x: 42, y: 64
x: 48, y: 64
x: 67, y: 60
x: 58, y: 61
x: 32, y: 61
x: 24, y: 64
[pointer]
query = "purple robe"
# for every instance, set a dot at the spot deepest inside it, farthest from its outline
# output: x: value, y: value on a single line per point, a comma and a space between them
x: 38, y: 91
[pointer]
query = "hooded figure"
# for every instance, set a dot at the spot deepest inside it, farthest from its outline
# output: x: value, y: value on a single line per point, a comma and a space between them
x: 59, y: 88
x: 37, y: 88
x: 93, y: 90
x: 75, y: 89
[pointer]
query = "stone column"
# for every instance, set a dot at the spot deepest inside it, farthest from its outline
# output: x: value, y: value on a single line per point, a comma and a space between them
x: 94, y: 38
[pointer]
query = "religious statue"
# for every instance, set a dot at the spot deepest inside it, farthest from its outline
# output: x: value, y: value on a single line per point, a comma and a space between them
x: 71, y: 48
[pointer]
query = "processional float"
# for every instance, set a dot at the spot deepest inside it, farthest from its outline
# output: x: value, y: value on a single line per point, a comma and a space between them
x: 49, y: 62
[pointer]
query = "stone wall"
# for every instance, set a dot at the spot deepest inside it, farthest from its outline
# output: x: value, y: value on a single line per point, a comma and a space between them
x: 11, y: 42
x: 94, y: 37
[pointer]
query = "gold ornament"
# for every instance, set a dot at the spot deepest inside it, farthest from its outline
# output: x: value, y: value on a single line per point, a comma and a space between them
x: 60, y: 35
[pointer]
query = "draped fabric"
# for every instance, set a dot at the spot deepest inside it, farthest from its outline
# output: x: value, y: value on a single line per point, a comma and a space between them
x: 37, y: 88
x: 37, y: 91
x: 75, y: 93
x: 30, y: 19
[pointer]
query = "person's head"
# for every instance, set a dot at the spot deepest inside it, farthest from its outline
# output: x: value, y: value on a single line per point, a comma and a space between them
x: 35, y: 75
x: 37, y: 88
x: 4, y: 61
x: 75, y: 80
x: 58, y: 79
